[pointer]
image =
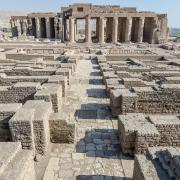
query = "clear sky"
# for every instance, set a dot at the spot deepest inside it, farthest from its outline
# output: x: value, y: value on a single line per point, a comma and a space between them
x: 171, y: 7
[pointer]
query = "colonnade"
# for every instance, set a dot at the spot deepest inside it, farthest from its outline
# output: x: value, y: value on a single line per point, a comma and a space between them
x: 39, y: 27
x: 108, y: 29
x: 132, y: 29
x: 19, y: 26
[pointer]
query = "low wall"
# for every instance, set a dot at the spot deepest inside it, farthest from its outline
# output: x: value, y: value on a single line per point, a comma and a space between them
x: 18, y: 93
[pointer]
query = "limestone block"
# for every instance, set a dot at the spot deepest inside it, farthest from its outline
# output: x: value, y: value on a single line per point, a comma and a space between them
x: 51, y: 92
x: 116, y: 94
x: 166, y: 161
x: 169, y: 128
x: 65, y: 72
x: 6, y: 112
x: 101, y: 59
x: 60, y: 79
x: 144, y: 169
x: 108, y: 75
x: 21, y: 127
x: 19, y: 92
x: 71, y: 66
x: 17, y: 164
x: 8, y: 151
x: 40, y: 124
x: 123, y: 74
x: 130, y: 82
x: 116, y: 100
x: 61, y: 129
x: 73, y: 60
x: 136, y: 134
x: 113, y: 83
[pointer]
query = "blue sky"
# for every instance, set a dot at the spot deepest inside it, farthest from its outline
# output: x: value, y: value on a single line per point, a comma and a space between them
x: 172, y: 7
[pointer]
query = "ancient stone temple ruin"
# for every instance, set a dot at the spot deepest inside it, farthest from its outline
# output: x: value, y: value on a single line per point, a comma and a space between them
x: 101, y: 24
x: 89, y: 111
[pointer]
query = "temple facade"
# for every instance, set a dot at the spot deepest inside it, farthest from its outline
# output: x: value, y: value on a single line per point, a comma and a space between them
x: 100, y: 24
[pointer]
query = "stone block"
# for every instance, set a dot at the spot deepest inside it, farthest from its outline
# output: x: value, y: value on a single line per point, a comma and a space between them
x: 16, y: 164
x: 65, y: 72
x: 6, y: 112
x: 144, y: 169
x: 61, y: 129
x: 51, y: 92
x: 122, y: 101
x: 60, y: 79
x: 21, y: 127
x: 136, y: 133
x: 42, y: 111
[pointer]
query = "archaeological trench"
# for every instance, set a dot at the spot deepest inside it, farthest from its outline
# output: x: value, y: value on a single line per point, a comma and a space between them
x: 102, y: 104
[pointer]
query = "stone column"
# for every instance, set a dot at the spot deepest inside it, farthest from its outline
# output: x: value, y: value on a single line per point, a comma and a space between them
x: 11, y: 23
x: 68, y: 30
x: 154, y: 38
x: 164, y: 28
x: 48, y: 28
x: 56, y: 32
x: 128, y: 29
x: 115, y: 30
x: 75, y: 30
x: 19, y: 27
x: 71, y: 31
x: 14, y: 23
x: 56, y: 28
x: 60, y: 26
x: 24, y: 27
x: 12, y: 27
x: 29, y: 26
x: 64, y: 30
x: 109, y: 29
x: 88, y: 29
x: 97, y: 28
x: 101, y: 30
x: 141, y: 29
x: 38, y: 31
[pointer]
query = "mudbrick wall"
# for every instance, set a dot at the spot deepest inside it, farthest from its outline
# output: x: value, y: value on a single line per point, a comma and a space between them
x: 157, y: 101
x: 138, y: 131
x: 61, y: 129
x: 158, y: 163
x: 18, y: 93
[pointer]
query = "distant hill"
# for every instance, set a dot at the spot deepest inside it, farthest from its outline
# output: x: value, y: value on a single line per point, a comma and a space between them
x: 175, y: 31
x: 5, y: 17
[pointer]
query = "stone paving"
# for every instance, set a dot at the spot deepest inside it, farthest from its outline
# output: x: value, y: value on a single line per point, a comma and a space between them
x: 96, y: 153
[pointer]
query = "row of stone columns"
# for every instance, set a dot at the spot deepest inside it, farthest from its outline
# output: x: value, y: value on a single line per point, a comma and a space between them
x: 100, y: 28
x: 128, y: 29
x: 73, y: 29
x: 43, y: 29
x: 47, y: 26
x: 21, y: 26
x: 57, y: 28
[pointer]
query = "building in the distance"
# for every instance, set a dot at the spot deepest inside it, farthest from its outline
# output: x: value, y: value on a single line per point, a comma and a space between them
x: 101, y: 24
